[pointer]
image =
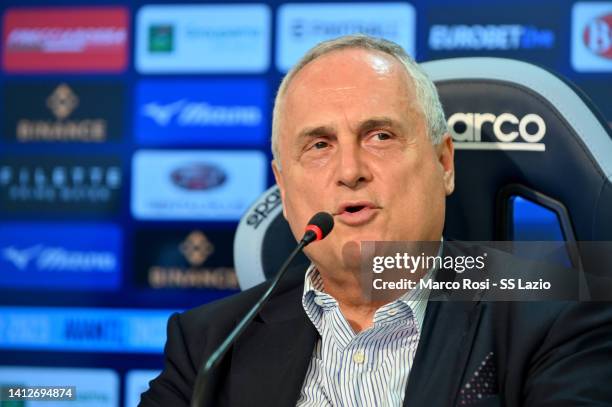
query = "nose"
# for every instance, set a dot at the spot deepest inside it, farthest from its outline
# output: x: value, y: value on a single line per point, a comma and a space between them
x: 353, y: 169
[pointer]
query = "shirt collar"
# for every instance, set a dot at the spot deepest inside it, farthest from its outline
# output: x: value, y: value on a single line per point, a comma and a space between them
x: 415, y: 299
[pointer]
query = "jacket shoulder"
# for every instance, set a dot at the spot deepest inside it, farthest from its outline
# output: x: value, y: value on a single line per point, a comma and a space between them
x: 194, y: 334
x: 216, y: 319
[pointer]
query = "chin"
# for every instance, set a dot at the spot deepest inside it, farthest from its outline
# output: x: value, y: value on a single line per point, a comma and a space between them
x: 356, y: 234
x: 354, y: 246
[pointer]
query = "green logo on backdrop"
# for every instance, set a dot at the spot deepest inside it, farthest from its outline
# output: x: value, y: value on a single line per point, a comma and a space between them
x: 161, y: 38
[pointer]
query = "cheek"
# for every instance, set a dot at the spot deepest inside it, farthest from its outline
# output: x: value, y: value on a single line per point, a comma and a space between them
x: 417, y: 188
x: 307, y: 187
x: 316, y: 161
x: 299, y: 201
x: 403, y: 176
x: 291, y: 207
x: 291, y: 217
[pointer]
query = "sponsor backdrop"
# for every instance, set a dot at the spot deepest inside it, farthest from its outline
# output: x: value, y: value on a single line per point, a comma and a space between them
x: 134, y: 135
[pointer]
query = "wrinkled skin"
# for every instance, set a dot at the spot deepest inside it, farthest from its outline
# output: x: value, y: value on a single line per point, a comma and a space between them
x: 352, y: 132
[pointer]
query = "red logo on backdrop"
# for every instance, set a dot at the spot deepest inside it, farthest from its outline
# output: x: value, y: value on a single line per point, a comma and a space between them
x: 597, y: 36
x: 75, y: 39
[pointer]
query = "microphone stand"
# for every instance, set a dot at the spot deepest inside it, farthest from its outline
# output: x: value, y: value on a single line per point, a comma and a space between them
x: 203, y: 377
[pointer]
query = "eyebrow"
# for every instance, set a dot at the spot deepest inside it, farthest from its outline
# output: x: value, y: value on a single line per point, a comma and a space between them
x: 312, y: 132
x: 377, y: 122
x: 362, y: 127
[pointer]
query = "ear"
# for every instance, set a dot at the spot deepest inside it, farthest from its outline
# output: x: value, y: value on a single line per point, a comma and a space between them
x: 278, y: 176
x: 446, y: 158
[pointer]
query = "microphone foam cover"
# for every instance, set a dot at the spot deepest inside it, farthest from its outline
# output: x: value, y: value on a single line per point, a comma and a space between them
x: 323, y: 221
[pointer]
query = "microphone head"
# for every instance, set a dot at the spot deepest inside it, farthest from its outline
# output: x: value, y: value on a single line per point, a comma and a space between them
x: 324, y: 221
x: 318, y: 227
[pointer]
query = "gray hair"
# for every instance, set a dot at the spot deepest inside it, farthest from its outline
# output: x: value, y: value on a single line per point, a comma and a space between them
x: 426, y: 93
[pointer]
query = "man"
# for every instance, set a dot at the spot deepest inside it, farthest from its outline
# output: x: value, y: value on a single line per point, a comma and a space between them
x: 359, y: 132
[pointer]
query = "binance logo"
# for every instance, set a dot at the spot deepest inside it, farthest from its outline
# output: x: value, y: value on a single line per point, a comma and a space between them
x: 196, y: 248
x: 62, y: 101
x: 196, y: 274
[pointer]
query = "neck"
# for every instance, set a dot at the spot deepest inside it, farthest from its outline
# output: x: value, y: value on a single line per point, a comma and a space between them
x: 353, y: 298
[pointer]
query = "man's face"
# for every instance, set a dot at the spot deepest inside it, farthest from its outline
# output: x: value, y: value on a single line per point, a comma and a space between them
x: 353, y: 142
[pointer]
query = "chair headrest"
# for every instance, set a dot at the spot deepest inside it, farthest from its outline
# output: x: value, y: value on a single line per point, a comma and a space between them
x: 263, y: 240
x: 515, y: 124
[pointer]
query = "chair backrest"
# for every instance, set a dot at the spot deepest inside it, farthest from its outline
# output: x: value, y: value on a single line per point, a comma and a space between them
x: 518, y: 130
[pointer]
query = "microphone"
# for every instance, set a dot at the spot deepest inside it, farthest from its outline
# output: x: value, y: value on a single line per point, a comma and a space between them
x: 318, y: 228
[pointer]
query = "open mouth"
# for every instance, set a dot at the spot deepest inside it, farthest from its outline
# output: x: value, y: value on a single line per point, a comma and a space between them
x: 350, y: 208
x: 356, y: 213
x: 354, y: 209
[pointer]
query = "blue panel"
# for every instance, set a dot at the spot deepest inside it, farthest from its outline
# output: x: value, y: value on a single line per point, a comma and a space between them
x: 83, y: 329
x: 201, y: 112
x: 534, y: 222
x: 60, y: 256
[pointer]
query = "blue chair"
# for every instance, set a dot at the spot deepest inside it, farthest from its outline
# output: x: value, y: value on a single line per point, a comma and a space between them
x: 519, y: 131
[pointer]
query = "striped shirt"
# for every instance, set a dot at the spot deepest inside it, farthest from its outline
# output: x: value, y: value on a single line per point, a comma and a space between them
x: 369, y: 368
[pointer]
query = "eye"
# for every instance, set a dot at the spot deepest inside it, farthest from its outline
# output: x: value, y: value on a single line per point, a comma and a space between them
x: 320, y: 145
x: 382, y: 136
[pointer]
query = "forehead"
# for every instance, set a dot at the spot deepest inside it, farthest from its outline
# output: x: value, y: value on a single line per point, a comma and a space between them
x: 357, y: 65
x: 350, y: 79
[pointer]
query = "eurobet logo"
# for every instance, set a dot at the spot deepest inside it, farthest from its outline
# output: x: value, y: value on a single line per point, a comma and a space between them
x: 66, y: 39
x: 486, y: 131
x: 501, y: 37
x: 592, y: 37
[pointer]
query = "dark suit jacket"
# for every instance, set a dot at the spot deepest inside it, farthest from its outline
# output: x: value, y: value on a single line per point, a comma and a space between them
x: 539, y: 353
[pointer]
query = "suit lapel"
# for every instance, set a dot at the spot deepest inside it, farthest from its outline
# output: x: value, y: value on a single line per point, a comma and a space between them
x: 270, y: 360
x: 444, y: 349
x: 445, y: 346
x: 453, y: 344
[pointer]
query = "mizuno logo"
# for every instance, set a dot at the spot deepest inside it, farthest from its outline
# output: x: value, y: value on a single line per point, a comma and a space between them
x: 60, y: 259
x: 162, y: 114
x: 20, y: 258
x: 187, y: 113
